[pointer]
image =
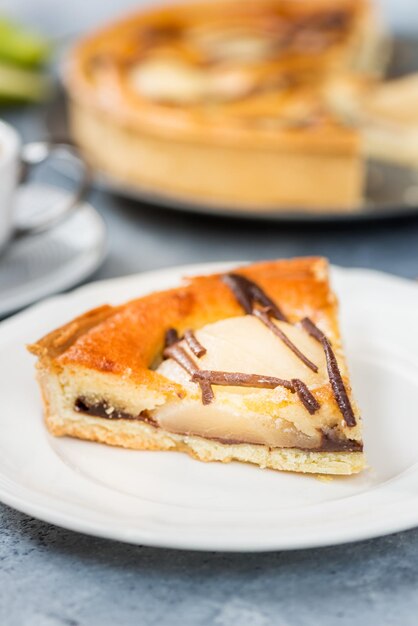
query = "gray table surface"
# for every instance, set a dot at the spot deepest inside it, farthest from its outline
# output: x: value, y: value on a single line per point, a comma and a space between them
x: 53, y: 577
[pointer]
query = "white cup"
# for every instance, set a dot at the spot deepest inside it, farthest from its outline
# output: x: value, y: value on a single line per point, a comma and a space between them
x: 16, y: 161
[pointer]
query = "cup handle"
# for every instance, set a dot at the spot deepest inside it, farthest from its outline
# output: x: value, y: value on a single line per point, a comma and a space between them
x: 36, y: 153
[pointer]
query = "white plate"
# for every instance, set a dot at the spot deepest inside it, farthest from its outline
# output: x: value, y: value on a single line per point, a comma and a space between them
x: 38, y: 266
x: 167, y: 499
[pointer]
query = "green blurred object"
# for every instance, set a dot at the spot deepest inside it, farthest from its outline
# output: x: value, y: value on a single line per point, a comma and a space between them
x: 22, y: 85
x: 22, y: 54
x: 21, y: 47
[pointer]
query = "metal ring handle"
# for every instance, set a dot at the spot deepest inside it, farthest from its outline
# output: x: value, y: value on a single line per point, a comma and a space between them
x: 36, y: 153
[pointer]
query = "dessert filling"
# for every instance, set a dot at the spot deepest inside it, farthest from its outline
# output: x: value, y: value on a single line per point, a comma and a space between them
x: 263, y: 408
x: 254, y: 379
x: 330, y: 441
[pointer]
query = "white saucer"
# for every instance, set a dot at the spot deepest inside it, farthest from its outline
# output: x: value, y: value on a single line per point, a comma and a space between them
x: 168, y: 499
x: 37, y: 266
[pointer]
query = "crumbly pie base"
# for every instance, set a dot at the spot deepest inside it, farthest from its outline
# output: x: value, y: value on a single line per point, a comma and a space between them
x: 294, y: 174
x: 142, y: 436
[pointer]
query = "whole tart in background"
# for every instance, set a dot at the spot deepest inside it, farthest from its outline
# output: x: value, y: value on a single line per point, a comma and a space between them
x: 226, y: 101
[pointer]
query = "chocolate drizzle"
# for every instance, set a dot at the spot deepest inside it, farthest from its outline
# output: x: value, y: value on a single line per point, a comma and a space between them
x: 104, y: 409
x: 264, y: 316
x: 194, y: 344
x: 171, y: 337
x: 248, y: 294
x: 308, y: 400
x: 334, y: 373
x: 239, y: 379
x: 332, y: 440
x: 178, y: 354
x: 207, y: 392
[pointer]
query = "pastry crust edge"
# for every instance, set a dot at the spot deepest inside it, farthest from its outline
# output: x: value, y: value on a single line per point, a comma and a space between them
x: 138, y: 435
x: 141, y: 436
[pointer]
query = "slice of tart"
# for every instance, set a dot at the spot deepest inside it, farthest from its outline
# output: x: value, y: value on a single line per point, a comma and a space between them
x: 246, y: 365
x: 222, y: 101
x: 385, y: 112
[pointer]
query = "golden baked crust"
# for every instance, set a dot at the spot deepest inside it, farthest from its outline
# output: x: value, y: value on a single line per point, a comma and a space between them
x: 224, y: 101
x: 106, y: 354
x: 125, y: 340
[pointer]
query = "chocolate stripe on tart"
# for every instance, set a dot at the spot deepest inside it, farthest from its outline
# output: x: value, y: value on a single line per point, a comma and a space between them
x: 104, y: 409
x: 207, y: 392
x: 264, y: 316
x: 238, y: 379
x: 194, y: 344
x: 178, y: 354
x: 181, y: 357
x: 249, y: 293
x: 339, y: 445
x: 331, y: 440
x: 207, y: 378
x: 334, y: 373
x: 308, y: 400
x: 171, y: 337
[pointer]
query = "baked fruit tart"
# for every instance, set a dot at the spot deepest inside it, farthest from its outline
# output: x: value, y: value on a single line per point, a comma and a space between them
x: 246, y: 366
x: 225, y: 102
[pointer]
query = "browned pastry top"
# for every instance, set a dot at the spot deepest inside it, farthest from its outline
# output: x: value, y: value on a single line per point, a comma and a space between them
x: 125, y: 340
